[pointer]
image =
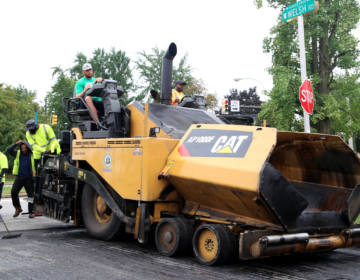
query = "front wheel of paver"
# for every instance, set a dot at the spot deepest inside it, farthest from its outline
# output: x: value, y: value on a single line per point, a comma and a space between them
x: 100, y: 222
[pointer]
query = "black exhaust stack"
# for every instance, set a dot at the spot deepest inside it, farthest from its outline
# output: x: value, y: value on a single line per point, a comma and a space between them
x: 166, y: 75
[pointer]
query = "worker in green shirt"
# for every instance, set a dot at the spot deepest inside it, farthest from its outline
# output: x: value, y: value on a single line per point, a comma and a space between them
x: 93, y: 102
x: 3, y: 168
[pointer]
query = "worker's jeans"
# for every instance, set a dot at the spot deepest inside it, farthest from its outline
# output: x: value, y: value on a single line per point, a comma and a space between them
x: 22, y: 181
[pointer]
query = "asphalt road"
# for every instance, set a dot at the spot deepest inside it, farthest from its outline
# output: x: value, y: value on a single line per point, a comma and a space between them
x: 70, y: 253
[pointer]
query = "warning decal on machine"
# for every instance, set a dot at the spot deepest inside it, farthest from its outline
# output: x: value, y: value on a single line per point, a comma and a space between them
x: 216, y: 143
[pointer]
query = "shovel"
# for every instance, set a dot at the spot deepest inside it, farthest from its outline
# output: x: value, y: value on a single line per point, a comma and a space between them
x: 9, y: 236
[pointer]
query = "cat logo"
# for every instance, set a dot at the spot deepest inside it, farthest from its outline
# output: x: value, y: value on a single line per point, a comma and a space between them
x: 231, y: 146
x: 216, y: 143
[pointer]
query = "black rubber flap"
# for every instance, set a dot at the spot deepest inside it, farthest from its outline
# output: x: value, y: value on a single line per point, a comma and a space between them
x: 283, y: 199
x: 353, y: 205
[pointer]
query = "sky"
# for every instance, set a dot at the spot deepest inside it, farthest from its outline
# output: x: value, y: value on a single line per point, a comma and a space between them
x: 223, y: 38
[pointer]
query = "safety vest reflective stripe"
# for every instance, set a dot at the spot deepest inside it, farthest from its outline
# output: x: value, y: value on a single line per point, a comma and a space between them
x: 47, y: 138
x: 177, y: 96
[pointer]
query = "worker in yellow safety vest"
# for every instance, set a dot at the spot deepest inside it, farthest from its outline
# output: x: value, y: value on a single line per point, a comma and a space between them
x: 24, y: 170
x: 177, y: 94
x: 42, y: 139
x: 3, y: 169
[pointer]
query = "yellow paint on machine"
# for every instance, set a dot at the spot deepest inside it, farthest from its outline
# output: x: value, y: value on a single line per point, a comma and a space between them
x: 131, y: 167
x: 224, y: 186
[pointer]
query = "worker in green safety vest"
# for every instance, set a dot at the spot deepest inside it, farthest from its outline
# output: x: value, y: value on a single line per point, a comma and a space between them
x: 24, y: 169
x: 42, y: 139
x: 3, y: 169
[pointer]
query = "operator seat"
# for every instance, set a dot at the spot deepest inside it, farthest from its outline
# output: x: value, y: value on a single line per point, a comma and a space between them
x: 83, y: 116
x: 115, y: 120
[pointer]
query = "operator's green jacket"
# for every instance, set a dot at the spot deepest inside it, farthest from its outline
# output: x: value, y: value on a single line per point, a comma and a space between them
x: 3, y: 164
x: 44, y: 139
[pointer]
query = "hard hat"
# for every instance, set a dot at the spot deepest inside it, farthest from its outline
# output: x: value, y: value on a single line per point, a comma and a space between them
x: 31, y: 124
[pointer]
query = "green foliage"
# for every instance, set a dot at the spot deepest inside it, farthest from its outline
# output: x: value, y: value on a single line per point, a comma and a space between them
x: 63, y: 87
x: 346, y: 96
x: 330, y: 45
x: 149, y: 66
x: 113, y: 65
x: 16, y: 106
x: 198, y: 86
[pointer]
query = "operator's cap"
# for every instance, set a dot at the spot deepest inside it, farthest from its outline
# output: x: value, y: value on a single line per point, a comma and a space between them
x: 180, y: 82
x: 86, y: 66
x: 31, y: 124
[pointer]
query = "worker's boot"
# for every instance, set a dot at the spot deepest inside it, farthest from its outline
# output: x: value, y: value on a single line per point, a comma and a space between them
x: 32, y: 215
x: 18, y: 210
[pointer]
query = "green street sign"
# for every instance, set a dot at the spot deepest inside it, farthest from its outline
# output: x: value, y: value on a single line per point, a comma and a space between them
x: 298, y: 9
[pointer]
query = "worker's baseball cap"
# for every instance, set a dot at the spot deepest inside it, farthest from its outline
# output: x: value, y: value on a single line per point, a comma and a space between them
x: 31, y: 124
x: 180, y: 82
x: 86, y: 66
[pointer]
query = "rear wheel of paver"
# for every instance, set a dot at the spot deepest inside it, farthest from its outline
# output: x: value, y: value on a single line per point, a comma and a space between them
x: 213, y: 244
x: 100, y: 222
x: 173, y: 236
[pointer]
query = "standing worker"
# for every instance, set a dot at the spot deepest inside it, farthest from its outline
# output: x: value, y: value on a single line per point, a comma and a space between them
x: 177, y: 94
x: 42, y: 139
x: 3, y: 169
x: 24, y: 169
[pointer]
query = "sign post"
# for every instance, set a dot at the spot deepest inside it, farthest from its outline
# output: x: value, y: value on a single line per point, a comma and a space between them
x: 298, y: 10
x: 303, y: 66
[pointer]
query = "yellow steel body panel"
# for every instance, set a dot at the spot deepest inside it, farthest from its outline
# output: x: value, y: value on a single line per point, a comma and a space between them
x: 224, y: 188
x: 130, y: 165
x: 137, y: 121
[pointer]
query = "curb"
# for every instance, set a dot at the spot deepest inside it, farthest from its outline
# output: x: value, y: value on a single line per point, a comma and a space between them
x: 9, y: 195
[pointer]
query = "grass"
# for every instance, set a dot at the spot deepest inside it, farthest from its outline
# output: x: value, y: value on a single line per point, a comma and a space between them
x: 9, y: 178
x: 7, y: 190
x: 357, y: 221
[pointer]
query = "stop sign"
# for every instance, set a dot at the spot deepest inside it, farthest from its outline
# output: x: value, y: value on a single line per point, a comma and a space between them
x: 307, y: 96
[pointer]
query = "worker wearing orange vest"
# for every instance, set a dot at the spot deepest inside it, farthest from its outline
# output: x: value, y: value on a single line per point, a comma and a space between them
x: 177, y: 94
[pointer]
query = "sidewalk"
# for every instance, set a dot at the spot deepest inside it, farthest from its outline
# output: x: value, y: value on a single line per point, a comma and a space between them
x: 22, y: 222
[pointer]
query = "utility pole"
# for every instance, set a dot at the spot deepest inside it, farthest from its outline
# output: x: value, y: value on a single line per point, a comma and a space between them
x: 45, y: 106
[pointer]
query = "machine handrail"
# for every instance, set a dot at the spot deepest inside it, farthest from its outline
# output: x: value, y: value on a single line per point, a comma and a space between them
x: 67, y: 101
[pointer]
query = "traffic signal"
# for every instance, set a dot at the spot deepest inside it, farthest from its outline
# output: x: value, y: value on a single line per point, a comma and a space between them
x: 225, y: 106
x: 54, y: 120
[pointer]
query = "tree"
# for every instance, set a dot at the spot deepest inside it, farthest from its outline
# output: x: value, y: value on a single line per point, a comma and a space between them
x: 330, y: 45
x: 149, y: 66
x: 197, y: 86
x: 63, y: 87
x: 247, y: 98
x: 16, y: 107
x: 113, y: 65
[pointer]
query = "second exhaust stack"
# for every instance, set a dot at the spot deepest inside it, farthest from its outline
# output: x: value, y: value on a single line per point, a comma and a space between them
x: 166, y: 75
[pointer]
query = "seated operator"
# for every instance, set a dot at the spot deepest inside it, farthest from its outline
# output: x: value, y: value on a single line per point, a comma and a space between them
x: 177, y: 94
x: 93, y: 102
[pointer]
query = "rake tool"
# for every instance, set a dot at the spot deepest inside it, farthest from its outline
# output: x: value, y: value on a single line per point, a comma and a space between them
x: 9, y: 236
